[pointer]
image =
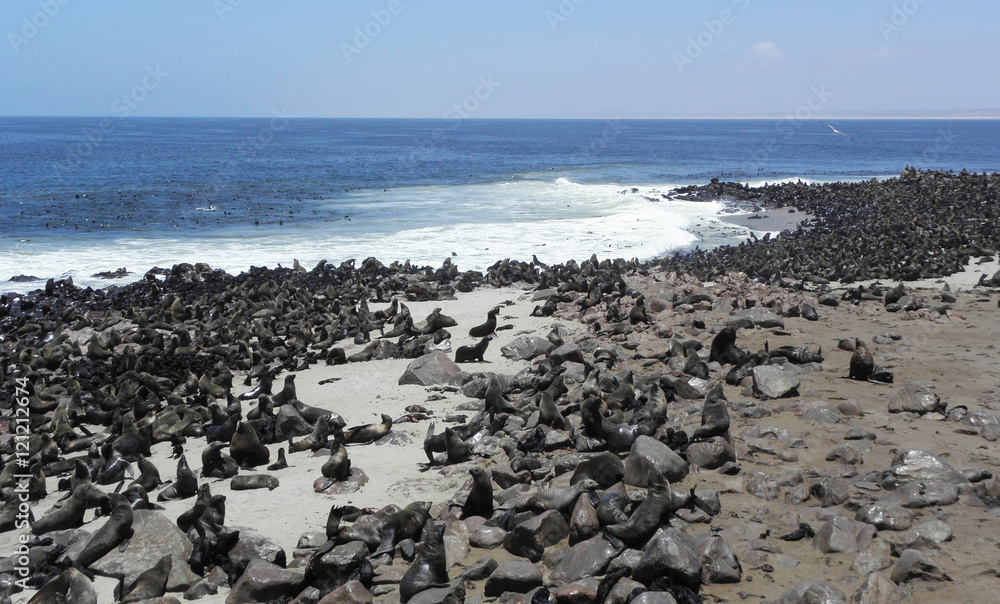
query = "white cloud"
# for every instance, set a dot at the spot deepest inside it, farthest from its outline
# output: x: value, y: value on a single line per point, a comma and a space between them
x: 767, y: 50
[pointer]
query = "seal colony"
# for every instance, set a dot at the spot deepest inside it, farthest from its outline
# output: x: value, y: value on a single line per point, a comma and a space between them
x: 639, y: 435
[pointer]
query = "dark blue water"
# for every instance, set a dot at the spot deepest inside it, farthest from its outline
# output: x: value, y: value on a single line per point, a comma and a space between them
x: 73, y: 184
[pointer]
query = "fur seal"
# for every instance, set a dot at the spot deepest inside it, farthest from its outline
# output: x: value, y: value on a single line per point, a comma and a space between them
x: 605, y: 469
x: 724, y: 350
x: 648, y: 516
x: 184, y: 486
x: 714, y: 416
x: 456, y: 449
x: 368, y: 433
x: 555, y: 498
x: 287, y: 393
x: 495, y: 402
x: 480, y: 499
x: 862, y: 363
x: 487, y: 328
x: 315, y: 440
x: 548, y: 413
x: 429, y: 568
x: 216, y: 464
x: 70, y: 586
x: 246, y: 482
x: 69, y: 513
x: 472, y: 352
x: 246, y: 449
x: 338, y: 465
x: 151, y: 583
x: 281, y: 462
x: 115, y: 532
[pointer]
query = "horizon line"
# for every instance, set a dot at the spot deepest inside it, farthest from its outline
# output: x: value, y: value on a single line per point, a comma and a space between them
x: 987, y: 115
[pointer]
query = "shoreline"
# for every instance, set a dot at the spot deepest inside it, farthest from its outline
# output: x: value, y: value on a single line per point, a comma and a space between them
x: 784, y: 458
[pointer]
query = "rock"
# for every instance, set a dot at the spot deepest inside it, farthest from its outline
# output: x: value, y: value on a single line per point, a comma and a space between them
x: 582, y: 590
x: 480, y: 569
x: 925, y: 493
x: 821, y: 412
x: 914, y: 564
x: 866, y: 563
x: 670, y: 551
x: 921, y: 465
x: 773, y: 381
x: 719, y: 561
x: 830, y: 491
x: 841, y: 534
x: 885, y: 517
x: 432, y: 369
x: 916, y: 397
x: 263, y: 582
x: 456, y: 542
x: 515, y: 576
x: 812, y: 592
x: 828, y: 300
x: 859, y: 434
x: 845, y: 454
x: 352, y: 592
x: 526, y: 348
x: 530, y: 538
x: 654, y: 597
x: 760, y: 484
x: 755, y: 317
x: 711, y: 454
x: 487, y: 537
x: 254, y: 546
x: 646, y: 453
x: 588, y: 558
x: 289, y: 422
x: 878, y: 589
x: 155, y: 536
x: 452, y: 594
x: 583, y: 522
x: 925, y: 536
x: 342, y: 560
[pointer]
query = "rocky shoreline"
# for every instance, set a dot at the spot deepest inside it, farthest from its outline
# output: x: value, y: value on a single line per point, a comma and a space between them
x: 633, y: 432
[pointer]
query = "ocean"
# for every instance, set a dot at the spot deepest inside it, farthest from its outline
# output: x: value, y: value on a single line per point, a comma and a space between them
x: 80, y: 196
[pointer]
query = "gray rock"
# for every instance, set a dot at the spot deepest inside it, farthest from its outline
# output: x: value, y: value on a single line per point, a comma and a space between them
x: 583, y: 522
x: 916, y: 397
x: 859, y: 433
x: 289, y: 422
x: 830, y: 491
x: 515, y: 576
x: 885, y: 517
x: 841, y: 534
x: 253, y: 546
x: 821, y: 412
x: 845, y: 454
x: 762, y: 485
x: 866, y: 563
x: 755, y: 317
x: 925, y: 536
x: 432, y: 369
x: 654, y: 597
x: 670, y: 551
x: 342, y: 559
x: 530, y: 538
x: 773, y: 381
x: 453, y: 594
x: 487, y: 537
x: 646, y: 453
x: 921, y: 465
x: 719, y: 561
x: 155, y: 536
x: 712, y: 453
x: 812, y: 592
x: 526, y: 348
x: 352, y: 592
x: 263, y: 582
x: 914, y: 564
x: 878, y: 589
x: 456, y: 542
x: 588, y: 558
x: 481, y: 569
x: 922, y: 494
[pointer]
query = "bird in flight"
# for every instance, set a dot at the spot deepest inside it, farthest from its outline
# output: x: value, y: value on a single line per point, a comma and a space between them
x: 835, y: 130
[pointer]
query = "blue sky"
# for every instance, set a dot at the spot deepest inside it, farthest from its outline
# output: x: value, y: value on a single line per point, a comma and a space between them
x: 495, y: 59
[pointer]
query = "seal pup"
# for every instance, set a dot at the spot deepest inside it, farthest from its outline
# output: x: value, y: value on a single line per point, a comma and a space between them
x: 487, y: 328
x: 368, y: 433
x: 724, y: 350
x: 429, y: 568
x: 151, y: 583
x: 555, y: 498
x: 246, y: 449
x: 149, y: 475
x: 495, y: 402
x: 216, y: 464
x: 548, y: 412
x: 281, y: 463
x: 115, y: 533
x: 480, y: 499
x: 287, y: 393
x: 472, y: 352
x: 315, y: 440
x: 263, y: 386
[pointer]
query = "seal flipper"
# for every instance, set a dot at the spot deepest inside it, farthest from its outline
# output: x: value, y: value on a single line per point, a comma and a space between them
x: 615, y: 543
x: 388, y: 543
x: 124, y: 544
